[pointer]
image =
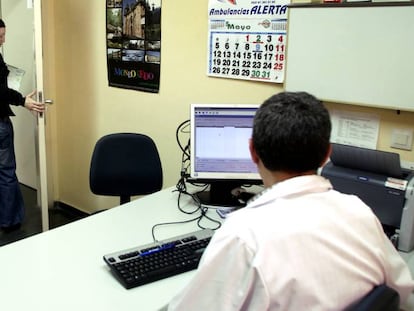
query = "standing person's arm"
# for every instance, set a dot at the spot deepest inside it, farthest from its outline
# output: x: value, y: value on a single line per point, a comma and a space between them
x: 9, y: 96
x: 33, y: 105
x: 12, y: 97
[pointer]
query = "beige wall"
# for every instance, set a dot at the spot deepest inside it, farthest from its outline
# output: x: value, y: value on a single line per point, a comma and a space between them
x: 86, y: 108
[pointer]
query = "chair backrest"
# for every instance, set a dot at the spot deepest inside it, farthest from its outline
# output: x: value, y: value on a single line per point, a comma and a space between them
x: 381, y: 298
x: 125, y: 164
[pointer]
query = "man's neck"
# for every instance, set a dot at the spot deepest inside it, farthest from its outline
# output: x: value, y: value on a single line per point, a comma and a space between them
x: 273, y: 177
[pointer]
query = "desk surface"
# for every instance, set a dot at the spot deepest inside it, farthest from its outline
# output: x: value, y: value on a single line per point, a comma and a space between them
x: 63, y: 269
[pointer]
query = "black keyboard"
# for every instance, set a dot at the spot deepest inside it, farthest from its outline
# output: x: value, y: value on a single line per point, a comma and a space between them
x: 155, y: 261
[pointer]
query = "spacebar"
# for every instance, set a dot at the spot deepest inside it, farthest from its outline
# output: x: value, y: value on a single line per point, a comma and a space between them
x: 163, y: 272
x: 171, y: 270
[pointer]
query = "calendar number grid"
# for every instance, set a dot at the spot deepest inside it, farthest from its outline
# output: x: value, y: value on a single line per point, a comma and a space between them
x: 254, y: 55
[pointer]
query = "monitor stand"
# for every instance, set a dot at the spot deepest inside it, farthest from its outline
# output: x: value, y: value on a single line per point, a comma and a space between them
x: 220, y: 194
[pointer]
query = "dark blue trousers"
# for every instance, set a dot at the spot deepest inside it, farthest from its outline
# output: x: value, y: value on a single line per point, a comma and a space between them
x: 11, y: 199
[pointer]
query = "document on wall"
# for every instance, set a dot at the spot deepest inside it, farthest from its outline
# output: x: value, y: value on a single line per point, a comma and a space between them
x: 15, y: 77
x: 356, y: 129
x: 247, y: 39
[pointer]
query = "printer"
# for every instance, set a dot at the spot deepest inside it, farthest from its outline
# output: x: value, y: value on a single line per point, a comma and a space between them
x: 377, y: 178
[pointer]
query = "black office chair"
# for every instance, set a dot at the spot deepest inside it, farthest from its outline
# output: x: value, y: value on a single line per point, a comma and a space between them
x: 381, y: 298
x: 125, y: 164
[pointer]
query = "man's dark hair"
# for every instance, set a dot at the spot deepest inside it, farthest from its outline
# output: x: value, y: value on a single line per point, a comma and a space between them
x: 2, y: 24
x: 291, y: 132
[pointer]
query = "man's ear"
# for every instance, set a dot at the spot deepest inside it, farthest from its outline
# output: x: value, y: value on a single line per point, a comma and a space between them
x: 328, y: 154
x: 253, y: 153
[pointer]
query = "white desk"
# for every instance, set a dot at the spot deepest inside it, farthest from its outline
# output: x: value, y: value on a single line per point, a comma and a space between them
x: 63, y: 269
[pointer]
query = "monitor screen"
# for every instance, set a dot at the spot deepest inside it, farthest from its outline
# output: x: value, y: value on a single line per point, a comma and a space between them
x: 220, y: 145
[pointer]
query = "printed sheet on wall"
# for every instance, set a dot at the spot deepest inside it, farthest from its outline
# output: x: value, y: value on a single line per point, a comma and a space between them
x: 247, y: 39
x: 133, y: 31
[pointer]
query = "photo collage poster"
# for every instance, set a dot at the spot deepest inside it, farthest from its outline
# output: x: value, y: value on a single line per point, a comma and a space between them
x: 247, y: 39
x: 133, y: 41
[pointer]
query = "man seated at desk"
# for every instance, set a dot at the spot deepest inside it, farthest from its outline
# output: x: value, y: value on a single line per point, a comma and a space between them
x: 299, y: 245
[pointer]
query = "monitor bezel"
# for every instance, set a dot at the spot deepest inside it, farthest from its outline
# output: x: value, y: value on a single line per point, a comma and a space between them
x: 242, y: 178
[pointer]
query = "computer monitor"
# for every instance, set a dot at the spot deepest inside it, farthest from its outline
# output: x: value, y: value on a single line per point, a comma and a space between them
x: 219, y: 151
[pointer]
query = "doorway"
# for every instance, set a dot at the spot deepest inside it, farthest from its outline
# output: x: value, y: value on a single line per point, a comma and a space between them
x: 18, y: 51
x: 23, y: 20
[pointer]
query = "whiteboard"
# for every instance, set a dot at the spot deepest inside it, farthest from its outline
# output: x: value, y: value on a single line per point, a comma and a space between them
x: 361, y: 54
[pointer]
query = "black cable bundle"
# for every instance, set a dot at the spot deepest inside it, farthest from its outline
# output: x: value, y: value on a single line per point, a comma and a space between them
x: 181, y: 186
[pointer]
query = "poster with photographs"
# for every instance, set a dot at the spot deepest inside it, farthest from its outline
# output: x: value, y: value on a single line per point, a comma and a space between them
x: 133, y: 43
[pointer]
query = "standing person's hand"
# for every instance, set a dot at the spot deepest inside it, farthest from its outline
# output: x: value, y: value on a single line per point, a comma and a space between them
x: 33, y: 105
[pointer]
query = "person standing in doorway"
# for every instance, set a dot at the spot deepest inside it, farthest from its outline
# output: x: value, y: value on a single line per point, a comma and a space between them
x: 11, y: 200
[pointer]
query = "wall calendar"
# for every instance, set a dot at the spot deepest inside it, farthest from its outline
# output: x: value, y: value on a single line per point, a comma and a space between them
x: 247, y: 39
